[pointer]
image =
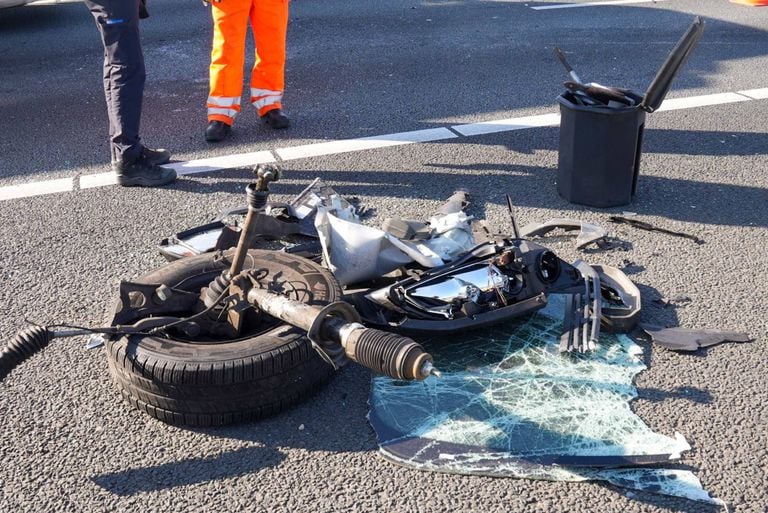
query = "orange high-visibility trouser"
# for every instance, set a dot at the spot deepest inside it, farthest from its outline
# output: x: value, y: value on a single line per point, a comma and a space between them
x: 269, y: 20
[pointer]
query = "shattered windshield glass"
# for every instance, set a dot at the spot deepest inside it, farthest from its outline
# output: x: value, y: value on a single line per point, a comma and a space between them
x: 509, y: 404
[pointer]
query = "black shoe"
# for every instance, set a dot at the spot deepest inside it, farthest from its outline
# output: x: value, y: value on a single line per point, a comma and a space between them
x: 142, y: 173
x: 217, y: 131
x: 157, y: 157
x: 276, y: 118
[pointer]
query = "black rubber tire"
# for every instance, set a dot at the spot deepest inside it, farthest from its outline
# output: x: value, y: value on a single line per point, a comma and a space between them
x: 213, y: 384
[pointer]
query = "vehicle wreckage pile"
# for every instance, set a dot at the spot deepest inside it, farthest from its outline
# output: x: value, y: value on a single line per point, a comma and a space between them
x: 254, y: 314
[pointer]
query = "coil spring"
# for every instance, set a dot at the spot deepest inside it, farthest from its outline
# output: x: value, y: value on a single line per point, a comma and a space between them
x: 26, y: 343
x: 257, y: 200
x: 216, y: 289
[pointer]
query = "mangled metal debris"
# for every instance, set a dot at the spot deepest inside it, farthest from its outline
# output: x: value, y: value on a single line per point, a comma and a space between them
x: 642, y: 225
x: 288, y: 226
x: 357, y: 253
x: 445, y: 274
x: 588, y: 233
x: 510, y: 404
x: 682, y: 339
x: 621, y: 300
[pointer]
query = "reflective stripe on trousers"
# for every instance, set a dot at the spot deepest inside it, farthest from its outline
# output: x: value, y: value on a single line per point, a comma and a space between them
x: 261, y: 98
x: 226, y: 106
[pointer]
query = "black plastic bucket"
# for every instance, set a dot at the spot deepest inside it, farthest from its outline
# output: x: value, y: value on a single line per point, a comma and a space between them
x: 600, y: 150
x: 601, y: 145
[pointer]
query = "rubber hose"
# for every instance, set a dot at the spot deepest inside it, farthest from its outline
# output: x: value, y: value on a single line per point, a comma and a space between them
x: 388, y: 353
x: 26, y: 343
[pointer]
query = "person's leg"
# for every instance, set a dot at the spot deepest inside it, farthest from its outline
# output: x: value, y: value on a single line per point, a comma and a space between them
x: 230, y: 25
x: 124, y: 75
x: 269, y: 19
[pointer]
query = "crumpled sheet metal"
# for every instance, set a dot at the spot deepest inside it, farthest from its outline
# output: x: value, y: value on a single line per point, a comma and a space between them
x: 355, y: 253
x: 683, y: 339
x: 510, y: 405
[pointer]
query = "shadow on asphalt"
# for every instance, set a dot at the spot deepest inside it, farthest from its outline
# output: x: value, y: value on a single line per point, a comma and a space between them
x: 673, y: 198
x: 188, y: 472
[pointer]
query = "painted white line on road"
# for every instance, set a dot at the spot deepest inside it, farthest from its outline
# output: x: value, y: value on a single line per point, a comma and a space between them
x: 361, y: 144
x: 25, y: 190
x: 506, y: 125
x: 52, y: 2
x: 224, y: 162
x: 97, y: 180
x: 592, y: 4
x: 756, y: 94
x: 364, y: 143
x: 701, y: 101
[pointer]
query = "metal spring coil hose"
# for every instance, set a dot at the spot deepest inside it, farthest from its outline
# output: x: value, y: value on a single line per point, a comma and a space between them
x: 26, y: 343
x: 386, y: 353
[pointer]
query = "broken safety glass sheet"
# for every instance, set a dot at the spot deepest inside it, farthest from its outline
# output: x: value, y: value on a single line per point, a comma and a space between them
x: 510, y: 405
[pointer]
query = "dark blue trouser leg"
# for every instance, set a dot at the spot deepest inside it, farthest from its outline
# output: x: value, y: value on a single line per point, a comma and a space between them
x: 124, y: 75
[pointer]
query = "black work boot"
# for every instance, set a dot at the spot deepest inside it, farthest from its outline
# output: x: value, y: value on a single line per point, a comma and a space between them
x: 276, y: 118
x: 217, y: 131
x: 157, y: 157
x: 142, y: 173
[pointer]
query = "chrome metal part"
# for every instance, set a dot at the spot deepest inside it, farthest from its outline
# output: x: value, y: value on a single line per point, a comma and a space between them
x: 464, y: 285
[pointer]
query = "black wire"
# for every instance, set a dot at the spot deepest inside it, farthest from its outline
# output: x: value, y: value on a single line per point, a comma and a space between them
x: 191, y: 317
x: 116, y: 331
x: 108, y: 331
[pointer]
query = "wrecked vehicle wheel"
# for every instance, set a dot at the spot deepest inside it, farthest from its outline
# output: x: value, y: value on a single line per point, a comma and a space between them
x: 217, y: 382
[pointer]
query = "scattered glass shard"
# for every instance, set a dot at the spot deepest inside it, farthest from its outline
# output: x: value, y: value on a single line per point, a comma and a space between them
x: 510, y: 405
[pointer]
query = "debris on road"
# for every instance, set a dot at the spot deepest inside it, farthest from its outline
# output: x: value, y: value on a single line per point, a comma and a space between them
x: 680, y: 300
x: 642, y: 225
x: 683, y: 339
x: 221, y: 304
x: 588, y: 233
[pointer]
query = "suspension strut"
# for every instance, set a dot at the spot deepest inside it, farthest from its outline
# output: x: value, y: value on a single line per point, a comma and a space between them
x: 257, y: 194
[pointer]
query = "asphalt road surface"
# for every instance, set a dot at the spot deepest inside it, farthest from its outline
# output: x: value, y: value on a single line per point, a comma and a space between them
x: 360, y: 68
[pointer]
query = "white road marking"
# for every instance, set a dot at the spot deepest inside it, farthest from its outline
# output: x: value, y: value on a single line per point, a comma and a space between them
x: 97, y: 180
x: 592, y: 4
x: 25, y: 190
x: 506, y: 125
x: 35, y: 3
x: 223, y: 162
x: 364, y: 143
x: 756, y: 94
x: 701, y: 101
